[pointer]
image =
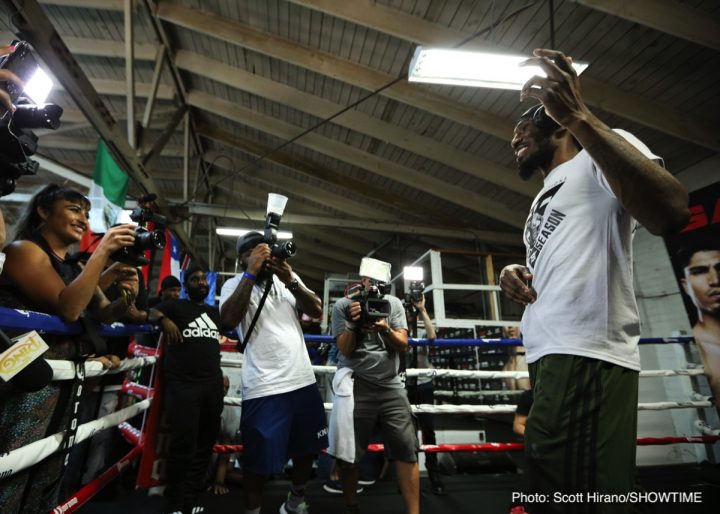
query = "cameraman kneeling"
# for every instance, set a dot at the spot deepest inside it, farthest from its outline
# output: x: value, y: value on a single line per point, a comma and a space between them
x: 370, y: 341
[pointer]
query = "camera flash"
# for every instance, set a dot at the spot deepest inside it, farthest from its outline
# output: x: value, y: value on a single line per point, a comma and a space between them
x: 276, y: 204
x: 413, y: 273
x: 38, y: 87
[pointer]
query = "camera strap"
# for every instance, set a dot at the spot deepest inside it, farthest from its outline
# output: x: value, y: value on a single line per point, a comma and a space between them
x: 242, y: 344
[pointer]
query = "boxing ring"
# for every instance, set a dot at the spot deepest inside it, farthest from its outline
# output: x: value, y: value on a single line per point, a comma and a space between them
x: 147, y: 440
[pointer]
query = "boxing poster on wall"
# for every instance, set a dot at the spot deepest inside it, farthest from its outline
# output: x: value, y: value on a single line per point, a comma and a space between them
x: 695, y: 255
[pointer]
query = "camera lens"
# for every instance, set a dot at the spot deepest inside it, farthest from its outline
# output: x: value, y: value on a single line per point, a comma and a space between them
x: 146, y: 240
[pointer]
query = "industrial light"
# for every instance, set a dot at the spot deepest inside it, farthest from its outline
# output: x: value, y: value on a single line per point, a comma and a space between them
x: 476, y: 69
x: 237, y: 232
x: 413, y: 273
x: 38, y: 87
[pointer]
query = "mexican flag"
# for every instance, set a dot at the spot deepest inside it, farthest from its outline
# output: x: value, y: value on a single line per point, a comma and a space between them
x: 108, y: 190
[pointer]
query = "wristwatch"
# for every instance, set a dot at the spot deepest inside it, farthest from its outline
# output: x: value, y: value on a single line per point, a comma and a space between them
x: 293, y: 286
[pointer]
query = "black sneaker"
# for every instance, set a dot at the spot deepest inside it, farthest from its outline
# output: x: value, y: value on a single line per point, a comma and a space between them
x: 436, y: 485
x: 336, y: 487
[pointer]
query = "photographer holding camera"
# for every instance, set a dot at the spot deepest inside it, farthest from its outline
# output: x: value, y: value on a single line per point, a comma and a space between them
x: 39, y: 277
x: 283, y: 414
x: 421, y: 390
x: 371, y: 332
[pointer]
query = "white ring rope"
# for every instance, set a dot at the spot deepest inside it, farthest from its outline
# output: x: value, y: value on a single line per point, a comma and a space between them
x: 474, y: 394
x: 706, y: 429
x: 31, y: 454
x: 65, y: 370
x: 457, y: 373
x: 504, y: 409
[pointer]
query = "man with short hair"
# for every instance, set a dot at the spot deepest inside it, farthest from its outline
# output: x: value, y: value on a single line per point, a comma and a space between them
x: 193, y: 389
x: 580, y: 326
x: 368, y: 364
x: 701, y: 282
x: 283, y: 414
x: 170, y: 288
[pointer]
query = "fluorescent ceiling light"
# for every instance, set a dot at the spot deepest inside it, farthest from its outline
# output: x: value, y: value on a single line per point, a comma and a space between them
x: 237, y: 232
x: 477, y: 69
x: 413, y: 273
x: 38, y: 87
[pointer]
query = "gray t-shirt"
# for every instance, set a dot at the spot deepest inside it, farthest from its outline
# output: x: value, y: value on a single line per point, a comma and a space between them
x: 372, y: 360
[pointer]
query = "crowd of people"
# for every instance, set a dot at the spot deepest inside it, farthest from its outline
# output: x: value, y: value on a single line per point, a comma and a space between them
x: 580, y: 329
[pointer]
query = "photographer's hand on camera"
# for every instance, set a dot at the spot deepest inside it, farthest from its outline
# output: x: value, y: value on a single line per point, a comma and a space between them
x: 258, y: 259
x: 8, y: 76
x: 281, y: 268
x: 114, y: 239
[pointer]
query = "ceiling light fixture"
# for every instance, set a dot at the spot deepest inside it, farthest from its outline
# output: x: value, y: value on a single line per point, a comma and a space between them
x: 476, y: 69
x: 237, y: 232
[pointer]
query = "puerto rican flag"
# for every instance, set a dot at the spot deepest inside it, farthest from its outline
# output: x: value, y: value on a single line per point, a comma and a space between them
x: 170, y: 259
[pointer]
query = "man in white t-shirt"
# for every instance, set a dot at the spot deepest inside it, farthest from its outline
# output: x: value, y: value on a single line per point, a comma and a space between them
x: 282, y: 412
x: 580, y: 326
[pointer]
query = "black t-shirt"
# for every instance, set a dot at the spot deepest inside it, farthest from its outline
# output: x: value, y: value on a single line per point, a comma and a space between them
x: 197, y: 356
x: 524, y: 403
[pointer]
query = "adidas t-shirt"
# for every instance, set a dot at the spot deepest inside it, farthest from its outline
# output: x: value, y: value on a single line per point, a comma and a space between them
x: 578, y: 239
x: 197, y: 356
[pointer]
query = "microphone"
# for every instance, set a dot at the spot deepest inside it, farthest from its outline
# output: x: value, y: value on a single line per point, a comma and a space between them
x: 34, y: 376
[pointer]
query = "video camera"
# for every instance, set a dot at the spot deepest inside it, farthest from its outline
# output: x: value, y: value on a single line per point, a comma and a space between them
x: 275, y: 208
x: 374, y: 305
x: 17, y: 141
x: 414, y: 292
x: 144, y: 239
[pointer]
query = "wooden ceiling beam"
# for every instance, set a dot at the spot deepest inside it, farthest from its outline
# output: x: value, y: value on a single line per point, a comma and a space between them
x: 633, y: 107
x: 318, y: 171
x: 508, y: 238
x: 318, y: 61
x: 358, y: 121
x: 379, y: 166
x: 294, y: 188
x: 669, y: 16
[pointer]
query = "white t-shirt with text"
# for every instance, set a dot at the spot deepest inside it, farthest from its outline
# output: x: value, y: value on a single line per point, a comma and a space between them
x: 578, y: 239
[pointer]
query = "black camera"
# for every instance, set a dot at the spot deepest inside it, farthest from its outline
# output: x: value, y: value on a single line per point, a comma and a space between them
x: 374, y: 305
x: 283, y: 250
x: 144, y: 239
x: 17, y: 141
x: 415, y: 292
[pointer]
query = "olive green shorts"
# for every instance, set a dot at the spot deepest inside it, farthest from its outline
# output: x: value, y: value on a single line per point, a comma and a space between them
x: 581, y: 432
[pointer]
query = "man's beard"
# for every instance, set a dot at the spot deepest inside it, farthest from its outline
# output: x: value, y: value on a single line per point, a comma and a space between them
x: 197, y: 294
x: 540, y: 159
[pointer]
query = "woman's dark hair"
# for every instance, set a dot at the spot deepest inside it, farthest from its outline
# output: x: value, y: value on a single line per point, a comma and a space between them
x: 30, y: 221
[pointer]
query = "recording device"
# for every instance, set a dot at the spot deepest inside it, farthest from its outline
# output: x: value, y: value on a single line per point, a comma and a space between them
x: 144, y: 239
x: 275, y: 208
x: 372, y: 302
x: 414, y: 292
x: 17, y: 141
x: 34, y: 376
x: 414, y: 286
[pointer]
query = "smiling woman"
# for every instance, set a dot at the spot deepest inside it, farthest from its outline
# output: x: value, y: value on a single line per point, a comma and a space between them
x: 39, y: 276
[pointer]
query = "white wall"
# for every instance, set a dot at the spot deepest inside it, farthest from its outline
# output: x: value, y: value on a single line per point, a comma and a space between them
x: 662, y: 313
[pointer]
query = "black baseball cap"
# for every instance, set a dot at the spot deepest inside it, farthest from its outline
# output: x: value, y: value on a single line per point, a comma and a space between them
x: 248, y: 241
x: 168, y: 282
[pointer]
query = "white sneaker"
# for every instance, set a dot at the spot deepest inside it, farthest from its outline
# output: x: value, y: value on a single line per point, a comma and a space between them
x: 302, y: 508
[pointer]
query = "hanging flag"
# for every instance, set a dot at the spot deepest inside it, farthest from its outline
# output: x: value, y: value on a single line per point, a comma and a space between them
x: 170, y: 264
x: 107, y: 192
